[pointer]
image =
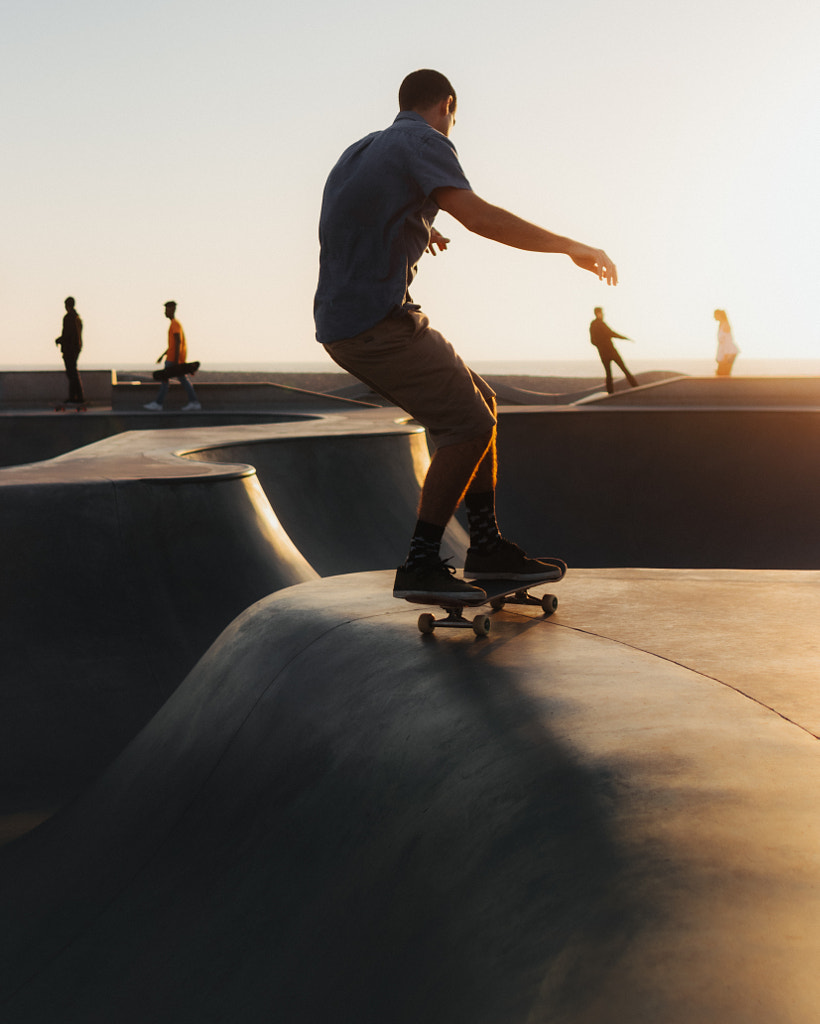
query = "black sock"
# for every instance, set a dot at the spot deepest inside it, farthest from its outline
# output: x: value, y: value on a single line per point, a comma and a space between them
x: 484, y: 535
x: 425, y: 543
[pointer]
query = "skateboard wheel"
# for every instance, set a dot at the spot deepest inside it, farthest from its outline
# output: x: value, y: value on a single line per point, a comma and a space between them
x: 481, y: 625
x: 427, y: 622
x: 497, y: 603
x: 549, y: 602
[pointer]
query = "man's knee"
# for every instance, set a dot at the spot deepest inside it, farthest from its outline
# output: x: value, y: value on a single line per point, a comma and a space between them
x: 475, y: 446
x: 484, y: 441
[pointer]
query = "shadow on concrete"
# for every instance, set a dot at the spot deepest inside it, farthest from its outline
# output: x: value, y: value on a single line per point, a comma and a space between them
x: 330, y: 818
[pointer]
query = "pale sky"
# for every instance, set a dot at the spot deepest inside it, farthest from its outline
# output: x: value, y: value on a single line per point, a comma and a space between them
x: 177, y: 150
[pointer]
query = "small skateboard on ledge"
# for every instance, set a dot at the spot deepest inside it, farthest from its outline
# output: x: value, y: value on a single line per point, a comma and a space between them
x: 69, y: 406
x: 499, y: 593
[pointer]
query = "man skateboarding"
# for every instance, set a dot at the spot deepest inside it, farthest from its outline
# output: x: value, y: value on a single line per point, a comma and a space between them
x: 601, y: 335
x: 378, y: 208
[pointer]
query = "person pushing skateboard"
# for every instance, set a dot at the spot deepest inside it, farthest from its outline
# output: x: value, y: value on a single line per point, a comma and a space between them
x: 70, y: 343
x: 376, y: 222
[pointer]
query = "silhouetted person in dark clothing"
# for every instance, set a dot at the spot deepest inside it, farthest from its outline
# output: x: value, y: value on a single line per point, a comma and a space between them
x: 71, y: 343
x: 601, y: 337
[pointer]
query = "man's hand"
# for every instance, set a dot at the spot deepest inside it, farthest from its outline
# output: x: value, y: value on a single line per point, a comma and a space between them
x: 436, y: 238
x: 597, y: 262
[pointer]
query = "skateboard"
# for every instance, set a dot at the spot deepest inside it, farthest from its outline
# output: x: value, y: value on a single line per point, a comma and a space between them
x: 180, y: 370
x: 67, y: 406
x: 499, y: 593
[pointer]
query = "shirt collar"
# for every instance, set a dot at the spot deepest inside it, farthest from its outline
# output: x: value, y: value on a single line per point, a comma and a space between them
x: 409, y: 115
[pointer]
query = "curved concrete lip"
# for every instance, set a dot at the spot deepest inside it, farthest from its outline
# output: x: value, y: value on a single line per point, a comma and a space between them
x: 163, y: 454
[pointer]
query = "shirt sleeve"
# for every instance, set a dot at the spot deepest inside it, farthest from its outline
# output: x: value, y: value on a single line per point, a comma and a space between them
x: 438, y: 166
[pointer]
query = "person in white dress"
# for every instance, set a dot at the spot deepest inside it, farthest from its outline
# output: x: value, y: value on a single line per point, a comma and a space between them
x: 727, y: 350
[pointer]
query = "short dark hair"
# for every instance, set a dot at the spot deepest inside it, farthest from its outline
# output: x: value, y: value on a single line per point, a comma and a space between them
x: 171, y: 303
x: 70, y: 301
x: 422, y: 89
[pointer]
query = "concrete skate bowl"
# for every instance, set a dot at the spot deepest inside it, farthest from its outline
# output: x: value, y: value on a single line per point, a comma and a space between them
x: 123, y: 562
x: 333, y: 816
x: 347, y: 502
x: 675, y: 486
x: 336, y: 818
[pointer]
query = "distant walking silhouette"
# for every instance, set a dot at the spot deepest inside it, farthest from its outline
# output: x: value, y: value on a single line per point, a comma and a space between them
x: 727, y: 350
x: 175, y: 355
x: 71, y: 343
x: 600, y: 335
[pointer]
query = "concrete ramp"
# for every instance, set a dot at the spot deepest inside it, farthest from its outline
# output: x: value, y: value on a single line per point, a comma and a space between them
x: 592, y: 818
x: 112, y: 589
x: 664, y: 487
x: 123, y: 561
x: 718, y: 392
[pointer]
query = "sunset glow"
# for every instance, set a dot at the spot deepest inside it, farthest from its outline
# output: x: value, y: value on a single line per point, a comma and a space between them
x: 172, y: 150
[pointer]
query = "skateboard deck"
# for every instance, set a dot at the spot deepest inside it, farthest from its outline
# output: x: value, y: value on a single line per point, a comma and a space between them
x: 499, y: 593
x: 75, y: 406
x: 180, y: 370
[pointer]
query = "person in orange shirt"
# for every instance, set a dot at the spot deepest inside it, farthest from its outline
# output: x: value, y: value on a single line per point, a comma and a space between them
x: 174, y: 355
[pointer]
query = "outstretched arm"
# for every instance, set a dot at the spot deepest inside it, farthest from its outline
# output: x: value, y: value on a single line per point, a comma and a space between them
x: 482, y: 218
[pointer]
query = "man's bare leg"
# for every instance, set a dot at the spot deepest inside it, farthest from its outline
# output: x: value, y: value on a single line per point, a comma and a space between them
x: 453, y: 469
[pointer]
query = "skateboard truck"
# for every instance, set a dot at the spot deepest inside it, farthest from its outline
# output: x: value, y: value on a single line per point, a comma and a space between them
x: 480, y: 625
x: 499, y: 593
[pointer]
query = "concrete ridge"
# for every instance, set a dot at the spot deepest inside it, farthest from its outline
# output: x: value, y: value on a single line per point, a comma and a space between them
x: 727, y: 392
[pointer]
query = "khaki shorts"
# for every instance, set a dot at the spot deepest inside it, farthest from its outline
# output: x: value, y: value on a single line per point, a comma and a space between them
x: 413, y: 366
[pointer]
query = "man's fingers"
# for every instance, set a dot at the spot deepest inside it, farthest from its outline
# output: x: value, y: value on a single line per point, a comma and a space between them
x: 606, y: 269
x: 599, y: 264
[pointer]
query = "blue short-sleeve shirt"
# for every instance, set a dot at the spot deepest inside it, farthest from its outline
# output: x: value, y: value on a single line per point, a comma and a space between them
x: 375, y: 223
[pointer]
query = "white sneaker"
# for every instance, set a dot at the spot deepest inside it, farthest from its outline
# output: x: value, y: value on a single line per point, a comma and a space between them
x: 191, y: 407
x: 153, y: 407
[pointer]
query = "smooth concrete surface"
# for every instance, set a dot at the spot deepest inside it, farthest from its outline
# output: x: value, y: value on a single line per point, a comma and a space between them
x: 111, y: 591
x: 348, y: 505
x: 663, y: 487
x: 230, y: 395
x: 508, y: 392
x: 606, y: 816
x: 124, y: 560
x: 722, y: 392
x: 34, y: 436
x: 26, y: 388
x: 602, y: 817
